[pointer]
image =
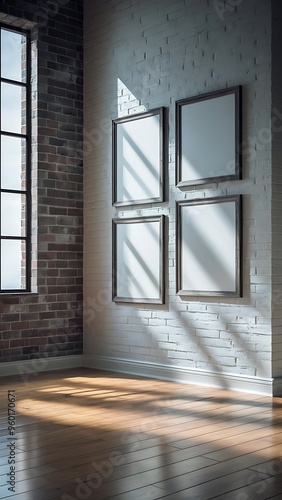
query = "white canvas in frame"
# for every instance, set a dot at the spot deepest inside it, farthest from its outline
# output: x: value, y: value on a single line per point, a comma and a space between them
x: 208, y: 137
x: 138, y: 158
x: 138, y: 260
x: 208, y: 247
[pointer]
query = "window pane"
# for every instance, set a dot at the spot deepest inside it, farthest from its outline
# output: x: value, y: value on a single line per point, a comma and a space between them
x: 13, y: 167
x: 13, y: 108
x: 13, y: 208
x: 13, y: 255
x: 13, y: 56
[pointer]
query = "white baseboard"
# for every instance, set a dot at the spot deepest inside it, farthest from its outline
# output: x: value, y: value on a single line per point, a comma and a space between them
x: 37, y: 365
x: 253, y: 385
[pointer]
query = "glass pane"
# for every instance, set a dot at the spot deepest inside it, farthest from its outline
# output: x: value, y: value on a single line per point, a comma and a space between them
x: 13, y: 209
x: 13, y: 108
x: 13, y: 264
x: 13, y: 167
x: 13, y: 56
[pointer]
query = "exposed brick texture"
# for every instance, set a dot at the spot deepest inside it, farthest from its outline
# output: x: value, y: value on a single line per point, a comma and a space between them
x: 49, y: 322
x: 141, y: 55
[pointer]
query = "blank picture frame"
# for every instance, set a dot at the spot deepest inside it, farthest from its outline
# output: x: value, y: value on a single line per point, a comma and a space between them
x: 138, y: 158
x: 138, y: 259
x: 209, y: 137
x: 208, y: 247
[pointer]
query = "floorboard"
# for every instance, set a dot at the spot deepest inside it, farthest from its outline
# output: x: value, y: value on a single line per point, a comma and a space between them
x: 88, y: 434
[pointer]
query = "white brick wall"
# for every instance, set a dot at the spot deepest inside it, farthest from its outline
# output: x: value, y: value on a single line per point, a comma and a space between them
x: 140, y: 55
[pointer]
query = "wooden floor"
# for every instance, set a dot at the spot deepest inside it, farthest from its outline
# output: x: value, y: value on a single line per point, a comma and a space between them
x: 86, y: 434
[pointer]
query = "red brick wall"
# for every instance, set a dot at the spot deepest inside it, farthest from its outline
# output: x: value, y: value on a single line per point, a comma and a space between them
x: 49, y: 322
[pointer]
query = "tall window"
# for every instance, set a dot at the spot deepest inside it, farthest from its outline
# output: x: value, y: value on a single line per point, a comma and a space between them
x: 15, y: 158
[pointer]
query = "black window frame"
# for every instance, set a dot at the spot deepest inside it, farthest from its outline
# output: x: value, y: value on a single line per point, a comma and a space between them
x: 28, y: 181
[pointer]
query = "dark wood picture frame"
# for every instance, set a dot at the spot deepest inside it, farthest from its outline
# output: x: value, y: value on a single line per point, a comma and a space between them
x: 209, y: 246
x: 138, y: 259
x: 209, y: 138
x: 138, y: 143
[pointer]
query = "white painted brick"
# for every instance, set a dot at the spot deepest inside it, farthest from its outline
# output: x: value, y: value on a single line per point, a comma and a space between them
x: 206, y: 341
x: 138, y: 321
x: 195, y: 317
x: 210, y: 367
x: 184, y: 363
x: 174, y: 322
x: 154, y: 62
x: 227, y: 361
x: 165, y: 314
x: 157, y: 322
x: 246, y: 370
x: 238, y: 327
x: 176, y: 354
x: 195, y: 307
x: 208, y: 325
x: 207, y: 333
x: 159, y: 337
x: 187, y: 346
x: 166, y: 330
x: 179, y: 339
